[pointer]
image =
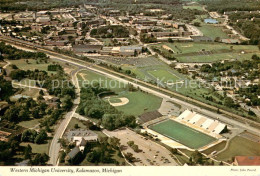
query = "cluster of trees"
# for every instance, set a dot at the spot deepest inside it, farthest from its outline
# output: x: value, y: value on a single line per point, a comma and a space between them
x: 18, y: 74
x: 6, y: 89
x: 92, y: 106
x: 231, y: 5
x: 54, y: 67
x: 34, y: 136
x: 12, y: 53
x: 57, y: 84
x: 251, y: 92
x: 35, y: 5
x: 99, y: 152
x: 145, y: 38
x: 250, y: 29
x: 110, y: 32
x: 247, y: 68
x: 118, y: 69
x: 8, y: 151
x: 133, y: 146
x: 24, y: 109
x: 165, y: 53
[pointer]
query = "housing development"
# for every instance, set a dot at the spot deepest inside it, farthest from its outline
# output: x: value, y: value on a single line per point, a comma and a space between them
x: 129, y: 83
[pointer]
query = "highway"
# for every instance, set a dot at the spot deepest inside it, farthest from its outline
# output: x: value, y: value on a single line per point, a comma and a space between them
x: 178, y: 98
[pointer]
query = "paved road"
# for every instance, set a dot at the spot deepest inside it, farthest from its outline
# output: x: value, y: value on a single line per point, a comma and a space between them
x: 55, y: 146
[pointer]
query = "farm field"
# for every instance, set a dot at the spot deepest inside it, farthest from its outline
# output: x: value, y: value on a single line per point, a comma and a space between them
x: 182, y: 134
x: 240, y: 146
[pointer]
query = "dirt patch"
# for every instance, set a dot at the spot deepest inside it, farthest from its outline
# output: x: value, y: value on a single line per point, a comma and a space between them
x: 123, y: 102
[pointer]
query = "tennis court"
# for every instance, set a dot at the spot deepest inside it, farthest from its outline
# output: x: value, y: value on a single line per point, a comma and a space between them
x: 182, y: 134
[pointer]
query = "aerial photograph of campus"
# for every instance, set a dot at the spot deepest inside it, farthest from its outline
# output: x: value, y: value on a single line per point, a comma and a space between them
x: 129, y: 83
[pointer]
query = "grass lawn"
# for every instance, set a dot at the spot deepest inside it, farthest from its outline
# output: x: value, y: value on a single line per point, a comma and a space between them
x: 240, y: 146
x: 217, y: 147
x: 88, y: 77
x: 21, y: 64
x: 73, y: 122
x: 212, y: 31
x: 139, y: 103
x: 182, y: 134
x: 34, y: 93
x: 164, y: 75
x: 38, y: 148
x: 30, y: 123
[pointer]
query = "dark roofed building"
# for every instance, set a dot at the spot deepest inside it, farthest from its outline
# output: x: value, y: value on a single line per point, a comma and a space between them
x: 73, y: 153
x: 201, y: 39
x: 247, y: 161
x: 148, y: 116
x: 87, y: 48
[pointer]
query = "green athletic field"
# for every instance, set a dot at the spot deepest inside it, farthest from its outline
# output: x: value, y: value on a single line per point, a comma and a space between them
x: 164, y: 75
x: 182, y: 134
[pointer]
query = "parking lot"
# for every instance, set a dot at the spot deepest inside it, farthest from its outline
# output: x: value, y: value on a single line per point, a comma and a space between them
x: 151, y: 153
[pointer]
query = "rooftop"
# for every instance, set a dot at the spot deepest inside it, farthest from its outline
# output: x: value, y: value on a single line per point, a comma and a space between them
x: 248, y: 160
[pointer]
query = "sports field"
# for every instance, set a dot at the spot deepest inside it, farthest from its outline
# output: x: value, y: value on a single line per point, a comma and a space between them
x: 164, y: 75
x: 139, y: 102
x: 210, y: 52
x: 182, y: 134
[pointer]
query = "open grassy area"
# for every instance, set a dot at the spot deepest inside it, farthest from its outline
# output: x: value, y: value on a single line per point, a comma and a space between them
x: 73, y: 122
x: 139, y: 102
x: 29, y: 123
x: 182, y: 134
x: 31, y: 65
x: 164, y: 75
x: 34, y: 93
x: 217, y: 148
x: 38, y: 148
x: 213, y: 31
x: 240, y: 146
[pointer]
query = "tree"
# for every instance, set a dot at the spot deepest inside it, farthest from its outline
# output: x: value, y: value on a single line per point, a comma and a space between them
x: 41, y: 92
x: 41, y: 137
x: 40, y: 159
x: 76, y: 126
x: 197, y: 157
x: 251, y: 113
x: 62, y: 157
x: 197, y: 24
x: 27, y: 152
